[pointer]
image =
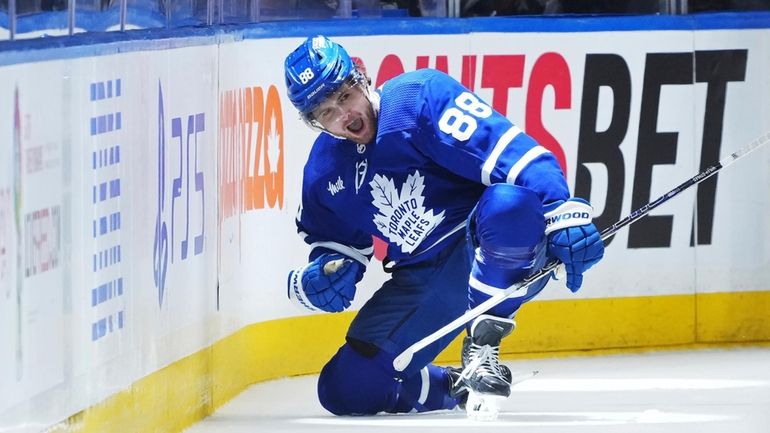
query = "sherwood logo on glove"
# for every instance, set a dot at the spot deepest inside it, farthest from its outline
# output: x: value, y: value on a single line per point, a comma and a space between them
x: 574, y: 212
x: 567, y: 215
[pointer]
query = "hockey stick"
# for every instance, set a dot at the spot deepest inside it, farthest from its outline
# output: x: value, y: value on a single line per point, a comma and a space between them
x: 403, y: 360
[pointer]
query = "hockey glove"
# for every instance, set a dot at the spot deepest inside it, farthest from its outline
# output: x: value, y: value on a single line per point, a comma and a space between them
x: 327, y: 283
x: 573, y: 239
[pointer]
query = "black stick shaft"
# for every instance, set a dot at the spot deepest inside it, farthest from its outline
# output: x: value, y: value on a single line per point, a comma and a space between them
x: 403, y: 360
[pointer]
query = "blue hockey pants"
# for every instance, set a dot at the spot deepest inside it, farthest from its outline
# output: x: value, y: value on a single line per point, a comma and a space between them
x: 504, y: 243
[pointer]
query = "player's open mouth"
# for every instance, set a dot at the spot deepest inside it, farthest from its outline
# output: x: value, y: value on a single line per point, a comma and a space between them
x: 356, y: 126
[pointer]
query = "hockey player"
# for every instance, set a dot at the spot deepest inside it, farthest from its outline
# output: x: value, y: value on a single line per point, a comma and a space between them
x: 467, y: 203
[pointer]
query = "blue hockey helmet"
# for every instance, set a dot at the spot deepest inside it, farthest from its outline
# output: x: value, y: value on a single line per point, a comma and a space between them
x: 315, y: 69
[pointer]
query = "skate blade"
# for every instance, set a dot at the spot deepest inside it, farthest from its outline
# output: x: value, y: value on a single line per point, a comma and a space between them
x: 483, y: 407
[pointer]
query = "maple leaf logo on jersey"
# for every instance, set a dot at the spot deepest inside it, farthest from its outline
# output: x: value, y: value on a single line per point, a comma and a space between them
x: 402, y: 218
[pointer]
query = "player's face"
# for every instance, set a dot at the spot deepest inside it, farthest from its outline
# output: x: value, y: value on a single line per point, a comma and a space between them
x: 348, y: 113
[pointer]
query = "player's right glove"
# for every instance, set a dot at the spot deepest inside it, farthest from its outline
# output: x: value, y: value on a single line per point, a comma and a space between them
x: 327, y: 283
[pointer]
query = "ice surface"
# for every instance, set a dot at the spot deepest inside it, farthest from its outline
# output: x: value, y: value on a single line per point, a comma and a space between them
x: 702, y: 391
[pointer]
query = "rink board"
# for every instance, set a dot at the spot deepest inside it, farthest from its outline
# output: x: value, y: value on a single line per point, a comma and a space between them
x: 221, y: 370
x: 148, y: 192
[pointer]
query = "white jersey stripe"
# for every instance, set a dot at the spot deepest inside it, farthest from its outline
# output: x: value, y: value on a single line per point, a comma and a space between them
x: 492, y: 290
x: 502, y: 143
x: 353, y: 253
x: 522, y: 163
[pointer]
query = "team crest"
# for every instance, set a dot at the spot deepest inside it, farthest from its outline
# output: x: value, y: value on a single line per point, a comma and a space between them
x: 402, y: 217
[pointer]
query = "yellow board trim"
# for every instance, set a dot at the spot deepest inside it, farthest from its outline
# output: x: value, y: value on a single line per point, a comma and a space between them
x: 175, y: 397
x: 733, y: 317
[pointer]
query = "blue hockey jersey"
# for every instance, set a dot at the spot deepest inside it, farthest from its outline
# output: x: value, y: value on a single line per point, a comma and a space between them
x: 437, y: 147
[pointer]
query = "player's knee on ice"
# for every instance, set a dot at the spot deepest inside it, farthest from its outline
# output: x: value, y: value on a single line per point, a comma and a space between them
x: 509, y: 233
x: 354, y: 384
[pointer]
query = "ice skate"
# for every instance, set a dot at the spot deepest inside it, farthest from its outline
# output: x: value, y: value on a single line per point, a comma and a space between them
x: 486, y: 382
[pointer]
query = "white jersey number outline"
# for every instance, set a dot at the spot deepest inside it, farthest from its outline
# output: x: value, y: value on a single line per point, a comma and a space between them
x: 461, y: 124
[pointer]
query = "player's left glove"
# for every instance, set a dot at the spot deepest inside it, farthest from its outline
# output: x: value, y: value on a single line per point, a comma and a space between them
x: 327, y: 283
x: 573, y: 238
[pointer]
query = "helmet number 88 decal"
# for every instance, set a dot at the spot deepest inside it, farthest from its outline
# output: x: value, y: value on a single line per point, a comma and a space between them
x: 460, y: 122
x: 306, y: 75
